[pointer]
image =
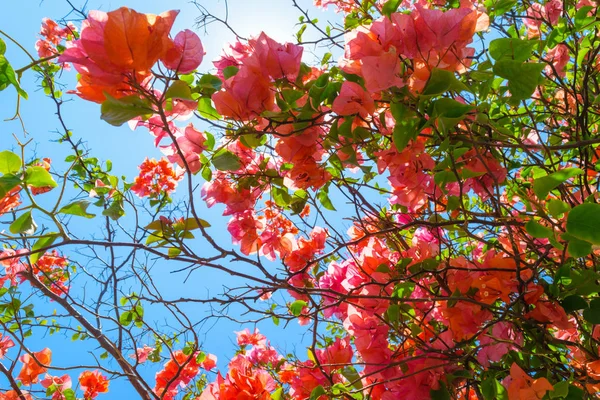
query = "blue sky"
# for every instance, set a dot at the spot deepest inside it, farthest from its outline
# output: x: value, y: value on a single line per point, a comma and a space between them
x: 127, y: 149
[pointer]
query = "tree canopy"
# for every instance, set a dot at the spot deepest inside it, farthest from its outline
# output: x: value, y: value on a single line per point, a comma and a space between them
x: 422, y: 200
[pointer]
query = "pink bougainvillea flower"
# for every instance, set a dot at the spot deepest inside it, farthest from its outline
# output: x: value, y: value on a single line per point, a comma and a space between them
x: 13, y: 395
x: 353, y: 99
x: 502, y: 338
x: 58, y: 384
x: 191, y: 144
x: 34, y: 365
x: 177, y: 372
x: 245, y: 338
x: 523, y: 387
x: 116, y: 49
x: 247, y: 94
x: 277, y: 60
x: 51, y: 269
x: 155, y: 179
x: 550, y: 312
x: 141, y: 354
x: 382, y: 72
x: 12, y: 264
x: 93, y: 383
x: 185, y: 53
x: 558, y: 56
x: 5, y: 344
x: 52, y: 34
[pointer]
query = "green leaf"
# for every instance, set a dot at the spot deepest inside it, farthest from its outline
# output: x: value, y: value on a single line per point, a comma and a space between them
x: 441, y: 394
x: 209, y: 81
x: 538, y: 230
x: 7, y: 183
x: 41, y: 243
x: 407, y: 125
x: 2, y: 47
x: 582, y: 19
x: 38, y: 177
x: 543, y: 185
x: 174, y: 252
x: 592, y: 315
x: 8, y: 77
x: 440, y: 81
x: 390, y: 7
x: 191, y: 223
x: 10, y: 163
x: 557, y: 207
x: 522, y: 78
x: 276, y: 395
x: 583, y: 222
x: 297, y: 306
x: 281, y: 196
x: 225, y: 160
x: 24, y: 224
x: 352, y: 375
x: 574, y: 303
x: 502, y: 6
x: 575, y: 393
x: 450, y: 108
x: 317, y: 392
x: 393, y: 313
x: 207, y: 110
x: 577, y: 248
x: 126, y: 318
x: 179, y: 90
x: 491, y: 389
x: 512, y: 49
x: 115, y: 210
x: 118, y: 111
x: 253, y: 140
x: 230, y: 71
x: 78, y: 208
x: 68, y: 394
x: 323, y: 197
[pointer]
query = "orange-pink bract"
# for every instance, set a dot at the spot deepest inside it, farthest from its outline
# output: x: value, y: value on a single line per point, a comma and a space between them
x: 93, y: 383
x: 117, y: 49
x: 34, y: 365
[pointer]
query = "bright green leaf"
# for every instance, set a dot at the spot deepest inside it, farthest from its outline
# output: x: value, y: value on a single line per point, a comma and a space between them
x: 24, y: 224
x: 179, y: 90
x: 126, y: 318
x: 8, y: 77
x: 38, y: 177
x: 440, y: 81
x: 207, y: 110
x: 583, y: 222
x: 118, y: 111
x: 41, y: 243
x: 390, y: 7
x: 317, y: 392
x: 538, y: 230
x: 10, y: 163
x: 543, y: 185
x: 325, y: 201
x: 78, y: 208
x: 512, y: 49
x: 297, y: 306
x: 225, y: 160
x: 522, y: 78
